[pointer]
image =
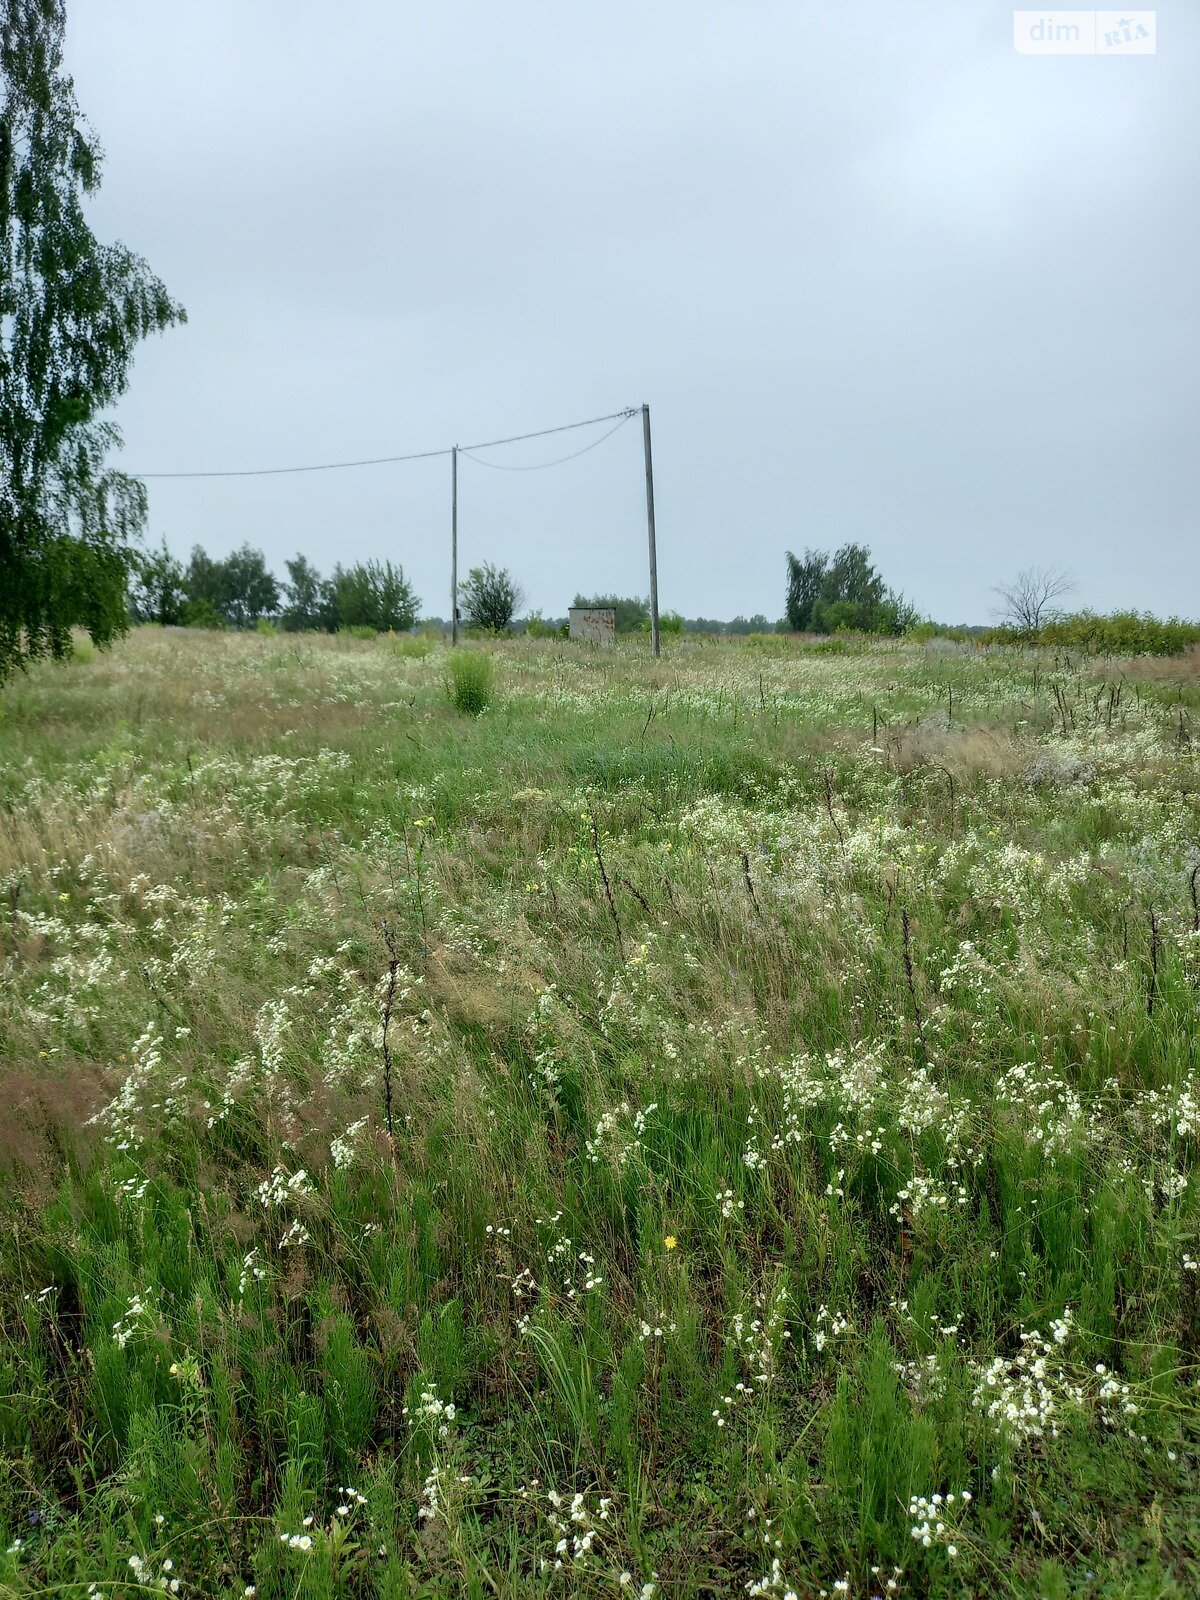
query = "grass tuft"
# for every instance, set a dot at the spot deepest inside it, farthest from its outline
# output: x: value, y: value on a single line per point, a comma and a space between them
x: 469, y: 681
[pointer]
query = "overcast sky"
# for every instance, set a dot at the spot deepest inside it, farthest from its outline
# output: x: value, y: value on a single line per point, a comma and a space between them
x: 879, y: 277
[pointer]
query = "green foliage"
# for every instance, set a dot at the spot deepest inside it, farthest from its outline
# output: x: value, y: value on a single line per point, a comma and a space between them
x: 311, y: 602
x: 374, y: 595
x: 806, y: 579
x: 489, y: 598
x: 1120, y: 633
x: 157, y: 591
x: 758, y: 623
x: 239, y: 589
x: 72, y: 311
x: 469, y: 681
x: 843, y: 593
x: 239, y: 592
x: 537, y: 627
x: 201, y: 614
x: 671, y: 622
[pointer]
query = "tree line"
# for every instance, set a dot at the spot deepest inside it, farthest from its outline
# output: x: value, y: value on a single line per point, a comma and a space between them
x: 825, y: 594
x: 240, y: 591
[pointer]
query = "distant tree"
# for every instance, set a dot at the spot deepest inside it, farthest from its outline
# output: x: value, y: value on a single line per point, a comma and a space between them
x: 156, y: 589
x: 755, y: 624
x: 250, y: 591
x: 826, y: 593
x: 374, y: 594
x: 72, y: 311
x: 852, y: 577
x: 203, y: 581
x: 489, y: 598
x: 633, y: 613
x: 239, y: 589
x: 311, y: 600
x: 1029, y: 600
x: 805, y: 579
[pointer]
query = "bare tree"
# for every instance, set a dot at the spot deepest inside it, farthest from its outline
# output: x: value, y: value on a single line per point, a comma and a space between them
x: 1029, y: 600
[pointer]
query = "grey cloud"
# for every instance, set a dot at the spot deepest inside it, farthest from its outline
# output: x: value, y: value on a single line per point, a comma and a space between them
x: 879, y: 276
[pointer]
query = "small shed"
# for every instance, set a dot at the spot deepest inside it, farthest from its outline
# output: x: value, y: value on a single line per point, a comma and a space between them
x: 593, y: 624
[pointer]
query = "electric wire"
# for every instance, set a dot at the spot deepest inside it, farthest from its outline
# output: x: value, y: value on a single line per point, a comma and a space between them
x: 540, y: 466
x: 418, y: 455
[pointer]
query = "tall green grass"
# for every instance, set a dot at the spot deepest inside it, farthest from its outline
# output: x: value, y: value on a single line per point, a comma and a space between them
x: 469, y: 681
x: 721, y: 1223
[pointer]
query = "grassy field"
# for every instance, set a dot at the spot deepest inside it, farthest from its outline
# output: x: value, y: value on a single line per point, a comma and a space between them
x: 713, y: 1127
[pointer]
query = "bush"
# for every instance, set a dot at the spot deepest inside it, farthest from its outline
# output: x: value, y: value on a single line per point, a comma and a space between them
x: 470, y: 681
x: 539, y: 627
x: 1123, y: 633
x: 358, y: 630
x: 201, y: 614
x: 489, y: 598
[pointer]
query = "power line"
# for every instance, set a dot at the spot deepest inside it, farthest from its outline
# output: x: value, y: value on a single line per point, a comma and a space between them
x: 419, y: 455
x: 518, y: 438
x: 273, y: 472
x: 540, y: 466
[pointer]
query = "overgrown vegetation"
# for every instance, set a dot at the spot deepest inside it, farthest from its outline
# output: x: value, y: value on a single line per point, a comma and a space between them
x: 725, y: 1125
x: 1121, y: 633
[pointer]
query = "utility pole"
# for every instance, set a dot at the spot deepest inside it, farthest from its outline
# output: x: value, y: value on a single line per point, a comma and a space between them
x: 454, y: 545
x: 650, y: 528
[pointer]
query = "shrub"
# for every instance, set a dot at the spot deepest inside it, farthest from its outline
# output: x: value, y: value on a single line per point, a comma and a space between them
x: 539, y: 627
x: 201, y: 614
x: 470, y: 681
x: 1122, y: 633
x: 489, y: 598
x: 374, y: 595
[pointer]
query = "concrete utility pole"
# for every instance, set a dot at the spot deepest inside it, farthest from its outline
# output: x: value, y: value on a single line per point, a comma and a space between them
x: 454, y: 545
x: 650, y: 528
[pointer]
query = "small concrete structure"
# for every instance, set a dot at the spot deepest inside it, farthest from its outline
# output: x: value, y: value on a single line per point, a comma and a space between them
x: 593, y: 624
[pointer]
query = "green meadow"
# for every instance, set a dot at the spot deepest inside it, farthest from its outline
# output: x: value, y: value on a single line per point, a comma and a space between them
x: 575, y: 1124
